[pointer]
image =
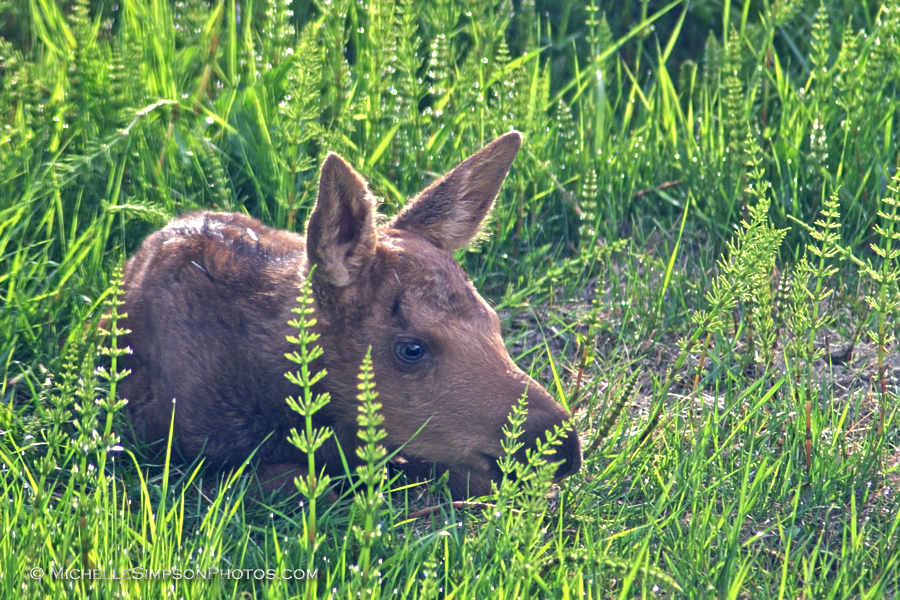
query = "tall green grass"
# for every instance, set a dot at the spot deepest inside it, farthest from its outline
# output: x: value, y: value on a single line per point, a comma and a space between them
x: 697, y: 250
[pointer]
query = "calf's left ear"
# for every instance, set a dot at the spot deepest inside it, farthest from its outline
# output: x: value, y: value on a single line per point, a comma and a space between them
x: 449, y: 212
x: 340, y: 236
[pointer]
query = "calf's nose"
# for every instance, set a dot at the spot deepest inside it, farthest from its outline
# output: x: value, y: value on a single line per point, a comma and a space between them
x: 544, y: 415
x: 570, y: 453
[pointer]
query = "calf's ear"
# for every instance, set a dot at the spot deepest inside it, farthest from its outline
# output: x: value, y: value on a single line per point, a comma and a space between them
x: 450, y: 212
x: 340, y: 235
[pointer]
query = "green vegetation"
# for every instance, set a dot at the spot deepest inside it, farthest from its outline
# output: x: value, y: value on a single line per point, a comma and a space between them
x: 698, y: 250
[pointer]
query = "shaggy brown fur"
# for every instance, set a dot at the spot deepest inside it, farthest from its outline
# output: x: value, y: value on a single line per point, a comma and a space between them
x: 208, y: 299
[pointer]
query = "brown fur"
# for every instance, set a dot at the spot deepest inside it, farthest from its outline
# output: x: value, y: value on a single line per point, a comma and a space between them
x: 208, y: 299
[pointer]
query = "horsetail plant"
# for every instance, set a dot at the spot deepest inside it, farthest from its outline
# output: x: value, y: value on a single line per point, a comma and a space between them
x: 805, y: 319
x: 52, y: 423
x: 759, y: 297
x: 111, y: 405
x: 521, y: 503
x: 614, y: 411
x: 312, y: 485
x: 367, y: 502
x: 743, y: 274
x: 886, y: 276
x: 296, y: 120
x: 886, y: 301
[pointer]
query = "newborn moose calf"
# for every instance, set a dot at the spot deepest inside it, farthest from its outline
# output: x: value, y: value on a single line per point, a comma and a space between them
x: 208, y: 300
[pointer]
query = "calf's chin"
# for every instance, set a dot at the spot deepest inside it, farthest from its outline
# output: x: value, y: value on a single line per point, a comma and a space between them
x: 208, y: 299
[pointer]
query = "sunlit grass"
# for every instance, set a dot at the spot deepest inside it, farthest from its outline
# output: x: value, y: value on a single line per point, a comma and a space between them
x: 696, y: 249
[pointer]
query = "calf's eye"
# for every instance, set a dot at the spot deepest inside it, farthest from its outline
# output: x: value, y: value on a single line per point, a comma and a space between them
x: 409, y: 352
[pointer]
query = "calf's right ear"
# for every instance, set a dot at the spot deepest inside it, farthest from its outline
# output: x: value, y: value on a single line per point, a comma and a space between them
x: 340, y: 235
x: 450, y: 212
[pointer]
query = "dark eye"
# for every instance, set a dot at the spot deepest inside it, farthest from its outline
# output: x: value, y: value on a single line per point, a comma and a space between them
x: 409, y: 352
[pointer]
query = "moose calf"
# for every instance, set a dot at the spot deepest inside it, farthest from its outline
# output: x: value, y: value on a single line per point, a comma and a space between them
x: 208, y: 300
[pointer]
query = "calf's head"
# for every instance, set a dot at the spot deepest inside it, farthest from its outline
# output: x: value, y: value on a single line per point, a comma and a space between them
x: 444, y: 377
